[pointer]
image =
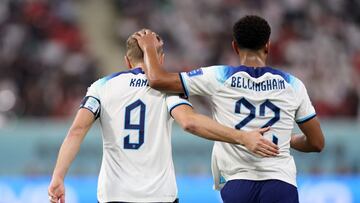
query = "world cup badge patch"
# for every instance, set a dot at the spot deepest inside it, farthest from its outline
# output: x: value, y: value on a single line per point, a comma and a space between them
x: 195, y: 72
x: 91, y: 104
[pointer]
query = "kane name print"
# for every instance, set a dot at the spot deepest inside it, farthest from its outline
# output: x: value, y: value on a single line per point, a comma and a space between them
x: 137, y: 82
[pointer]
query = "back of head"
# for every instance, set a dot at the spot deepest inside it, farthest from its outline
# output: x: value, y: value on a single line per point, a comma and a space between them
x: 251, y: 32
x: 134, y: 52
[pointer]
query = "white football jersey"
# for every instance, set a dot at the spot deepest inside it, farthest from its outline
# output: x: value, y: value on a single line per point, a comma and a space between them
x: 249, y: 98
x: 136, y: 126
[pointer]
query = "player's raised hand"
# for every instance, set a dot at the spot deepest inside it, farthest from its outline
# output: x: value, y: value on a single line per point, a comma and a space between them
x: 56, y: 191
x: 256, y: 143
x: 147, y: 38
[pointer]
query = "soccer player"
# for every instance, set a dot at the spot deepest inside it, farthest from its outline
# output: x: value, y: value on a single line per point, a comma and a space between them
x: 248, y: 96
x: 136, y: 125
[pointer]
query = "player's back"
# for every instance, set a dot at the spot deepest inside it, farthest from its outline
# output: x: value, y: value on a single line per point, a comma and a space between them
x: 137, y: 162
x: 249, y: 98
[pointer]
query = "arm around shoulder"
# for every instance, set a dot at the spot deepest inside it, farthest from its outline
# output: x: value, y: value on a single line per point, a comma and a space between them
x: 207, y: 128
x: 159, y: 78
x: 203, y: 126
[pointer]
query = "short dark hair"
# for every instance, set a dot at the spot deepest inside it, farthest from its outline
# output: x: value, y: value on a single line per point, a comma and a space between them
x: 251, y: 32
x: 134, y: 52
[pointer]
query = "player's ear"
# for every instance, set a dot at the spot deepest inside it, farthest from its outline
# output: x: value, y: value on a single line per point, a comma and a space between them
x: 162, y: 58
x: 127, y: 61
x: 267, y: 47
x: 235, y: 47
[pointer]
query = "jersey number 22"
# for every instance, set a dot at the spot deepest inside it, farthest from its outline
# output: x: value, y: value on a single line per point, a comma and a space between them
x: 251, y: 116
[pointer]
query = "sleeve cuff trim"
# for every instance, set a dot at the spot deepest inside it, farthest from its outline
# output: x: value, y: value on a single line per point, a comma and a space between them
x: 306, y: 118
x: 184, y: 86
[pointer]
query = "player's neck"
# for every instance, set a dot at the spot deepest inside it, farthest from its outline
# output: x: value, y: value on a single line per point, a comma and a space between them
x: 138, y: 65
x: 252, y: 59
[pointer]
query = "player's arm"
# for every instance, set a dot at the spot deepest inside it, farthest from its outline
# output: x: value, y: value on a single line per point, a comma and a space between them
x: 312, y: 140
x: 206, y: 127
x: 158, y: 78
x: 70, y: 147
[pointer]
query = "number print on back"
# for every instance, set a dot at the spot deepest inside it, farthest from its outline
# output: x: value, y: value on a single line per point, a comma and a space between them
x: 140, y: 127
x: 252, y: 114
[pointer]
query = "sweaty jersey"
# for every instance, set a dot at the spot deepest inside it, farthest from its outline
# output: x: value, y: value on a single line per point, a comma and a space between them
x: 249, y: 98
x: 136, y: 126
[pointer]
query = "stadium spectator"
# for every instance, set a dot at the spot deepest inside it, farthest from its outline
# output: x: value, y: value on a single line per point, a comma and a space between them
x: 42, y: 59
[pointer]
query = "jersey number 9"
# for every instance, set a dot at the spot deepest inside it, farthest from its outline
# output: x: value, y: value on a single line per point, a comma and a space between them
x: 140, y: 127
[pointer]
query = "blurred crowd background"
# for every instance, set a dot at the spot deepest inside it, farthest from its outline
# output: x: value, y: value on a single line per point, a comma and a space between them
x: 51, y: 51
x: 44, y: 66
x: 47, y: 59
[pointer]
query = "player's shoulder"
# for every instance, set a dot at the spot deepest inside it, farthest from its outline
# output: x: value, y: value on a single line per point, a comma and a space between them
x: 224, y: 72
x: 255, y: 72
x: 294, y: 81
x: 102, y: 81
x: 209, y: 72
x: 215, y: 68
x: 203, y: 71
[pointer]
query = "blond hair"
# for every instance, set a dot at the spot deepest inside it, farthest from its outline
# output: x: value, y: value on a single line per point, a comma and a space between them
x: 134, y: 52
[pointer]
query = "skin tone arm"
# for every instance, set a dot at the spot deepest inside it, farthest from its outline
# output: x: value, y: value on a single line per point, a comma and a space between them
x: 170, y: 82
x: 312, y: 140
x: 205, y: 127
x: 158, y: 78
x: 194, y: 123
x: 68, y: 151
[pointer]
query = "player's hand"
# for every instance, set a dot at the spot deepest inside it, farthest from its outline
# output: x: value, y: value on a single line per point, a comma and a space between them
x: 256, y: 143
x: 56, y: 191
x: 148, y: 39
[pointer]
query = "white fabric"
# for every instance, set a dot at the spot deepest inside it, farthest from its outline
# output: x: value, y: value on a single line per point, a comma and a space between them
x: 145, y: 174
x: 262, y: 88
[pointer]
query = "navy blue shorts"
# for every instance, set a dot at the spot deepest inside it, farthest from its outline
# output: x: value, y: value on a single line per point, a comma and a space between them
x: 266, y: 191
x: 176, y: 201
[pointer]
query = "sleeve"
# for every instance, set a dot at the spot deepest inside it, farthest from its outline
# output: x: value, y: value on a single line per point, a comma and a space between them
x: 91, y: 101
x: 173, y: 101
x: 306, y: 110
x: 202, y: 81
